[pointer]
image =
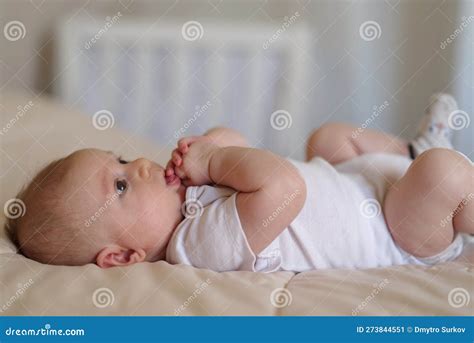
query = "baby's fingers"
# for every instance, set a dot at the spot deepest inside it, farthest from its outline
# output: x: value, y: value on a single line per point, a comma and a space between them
x: 169, y: 170
x: 176, y: 157
x: 183, y: 143
x: 180, y: 172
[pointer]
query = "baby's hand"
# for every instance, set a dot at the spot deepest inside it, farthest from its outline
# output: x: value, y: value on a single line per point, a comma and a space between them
x: 190, y: 160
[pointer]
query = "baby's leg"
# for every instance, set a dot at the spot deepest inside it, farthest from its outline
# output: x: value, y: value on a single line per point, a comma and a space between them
x: 430, y: 202
x: 337, y: 142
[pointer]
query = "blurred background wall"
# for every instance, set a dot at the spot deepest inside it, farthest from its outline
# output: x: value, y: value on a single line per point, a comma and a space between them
x: 381, y: 75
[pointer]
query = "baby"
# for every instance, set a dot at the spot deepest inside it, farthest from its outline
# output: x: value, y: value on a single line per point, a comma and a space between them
x: 359, y: 201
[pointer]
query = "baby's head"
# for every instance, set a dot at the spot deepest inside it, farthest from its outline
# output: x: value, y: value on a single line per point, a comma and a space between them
x: 94, y: 207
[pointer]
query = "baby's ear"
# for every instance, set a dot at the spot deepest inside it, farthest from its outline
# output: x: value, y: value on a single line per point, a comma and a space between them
x: 114, y: 255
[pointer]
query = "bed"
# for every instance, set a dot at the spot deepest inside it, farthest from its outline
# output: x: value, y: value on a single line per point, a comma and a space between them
x: 36, y: 130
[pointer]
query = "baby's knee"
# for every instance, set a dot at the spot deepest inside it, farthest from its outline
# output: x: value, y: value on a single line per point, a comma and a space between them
x: 445, y: 168
x: 326, y: 132
x: 443, y: 159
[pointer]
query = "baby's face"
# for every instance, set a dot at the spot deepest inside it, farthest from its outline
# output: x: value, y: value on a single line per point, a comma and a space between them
x: 137, y: 207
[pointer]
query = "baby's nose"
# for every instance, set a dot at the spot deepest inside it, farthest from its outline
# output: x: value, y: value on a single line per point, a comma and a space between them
x: 143, y: 168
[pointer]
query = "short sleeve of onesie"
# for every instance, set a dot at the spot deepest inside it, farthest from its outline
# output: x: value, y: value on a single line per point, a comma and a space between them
x: 211, y: 235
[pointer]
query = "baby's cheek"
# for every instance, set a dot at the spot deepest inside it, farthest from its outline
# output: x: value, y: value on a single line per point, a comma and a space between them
x: 150, y: 217
x: 128, y: 220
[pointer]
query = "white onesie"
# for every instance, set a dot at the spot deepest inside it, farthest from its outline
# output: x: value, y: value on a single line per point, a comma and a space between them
x: 341, y: 224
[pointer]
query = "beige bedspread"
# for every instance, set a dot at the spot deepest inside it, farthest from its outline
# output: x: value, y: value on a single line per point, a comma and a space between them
x: 47, y: 130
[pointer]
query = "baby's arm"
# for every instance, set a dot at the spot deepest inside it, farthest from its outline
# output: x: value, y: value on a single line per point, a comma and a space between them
x: 223, y: 136
x: 264, y: 180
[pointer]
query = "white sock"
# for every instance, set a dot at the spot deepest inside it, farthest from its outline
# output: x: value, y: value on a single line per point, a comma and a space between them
x: 434, y: 131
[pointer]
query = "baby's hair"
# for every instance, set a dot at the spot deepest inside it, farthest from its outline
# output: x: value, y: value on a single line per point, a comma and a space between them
x: 12, y: 222
x: 47, y: 231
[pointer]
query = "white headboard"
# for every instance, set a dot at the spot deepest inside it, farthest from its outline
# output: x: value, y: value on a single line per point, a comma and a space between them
x: 169, y: 79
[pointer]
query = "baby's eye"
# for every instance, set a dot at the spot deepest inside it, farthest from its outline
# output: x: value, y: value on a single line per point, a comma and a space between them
x: 121, y: 186
x: 122, y: 161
